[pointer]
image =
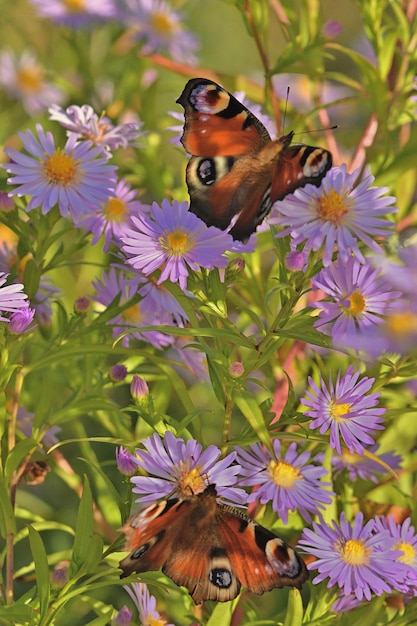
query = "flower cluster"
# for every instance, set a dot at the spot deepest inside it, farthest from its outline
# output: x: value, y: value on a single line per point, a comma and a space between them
x: 363, y: 559
x: 178, y: 468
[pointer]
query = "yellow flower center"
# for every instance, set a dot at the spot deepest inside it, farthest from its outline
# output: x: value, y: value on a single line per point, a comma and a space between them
x: 150, y: 620
x: 177, y: 242
x: 132, y: 313
x: 332, y: 206
x: 60, y: 168
x: 283, y: 474
x: 409, y: 556
x: 75, y: 6
x: 190, y: 481
x: 351, y: 458
x: 162, y: 23
x: 115, y: 210
x: 402, y: 324
x: 339, y: 411
x: 357, y: 303
x: 30, y: 79
x: 354, y: 552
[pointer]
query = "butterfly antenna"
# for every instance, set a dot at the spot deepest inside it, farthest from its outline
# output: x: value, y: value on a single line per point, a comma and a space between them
x: 315, y: 130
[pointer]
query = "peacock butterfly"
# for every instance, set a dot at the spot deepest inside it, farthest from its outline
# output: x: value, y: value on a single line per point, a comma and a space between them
x: 236, y: 170
x: 210, y: 548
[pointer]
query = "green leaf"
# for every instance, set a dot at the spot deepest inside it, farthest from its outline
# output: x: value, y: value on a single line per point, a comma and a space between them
x: 83, y: 529
x: 41, y: 568
x: 16, y: 614
x: 222, y: 614
x: 294, y: 615
x: 7, y: 518
x: 249, y: 406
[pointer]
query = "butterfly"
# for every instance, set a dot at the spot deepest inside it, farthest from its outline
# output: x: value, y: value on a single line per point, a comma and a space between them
x: 210, y: 548
x: 236, y: 170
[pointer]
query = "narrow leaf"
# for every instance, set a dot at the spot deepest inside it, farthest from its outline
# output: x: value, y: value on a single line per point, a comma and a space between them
x: 249, y: 406
x: 84, y: 528
x: 294, y: 615
x: 41, y: 568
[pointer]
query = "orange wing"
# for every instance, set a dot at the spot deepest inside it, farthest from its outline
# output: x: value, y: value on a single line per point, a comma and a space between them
x: 216, y: 124
x: 260, y: 559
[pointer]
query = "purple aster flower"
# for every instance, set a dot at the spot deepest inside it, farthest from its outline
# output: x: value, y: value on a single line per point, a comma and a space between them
x: 353, y: 557
x: 174, y: 237
x: 345, y: 409
x: 296, y: 260
x: 158, y: 300
x: 112, y: 217
x: 179, y: 469
x: 115, y: 285
x: 6, y: 204
x: 75, y: 14
x: 286, y: 480
x: 23, y: 79
x: 332, y: 28
x: 44, y: 434
x: 336, y: 215
x: 72, y: 177
x: 81, y: 305
x: 405, y: 541
x: 127, y: 463
x: 361, y: 466
x: 83, y: 123
x: 118, y: 373
x: 398, y: 331
x: 20, y: 320
x: 159, y: 28
x: 345, y: 603
x: 43, y: 300
x: 359, y: 298
x: 139, y: 389
x: 145, y: 604
x: 124, y: 616
x: 12, y: 298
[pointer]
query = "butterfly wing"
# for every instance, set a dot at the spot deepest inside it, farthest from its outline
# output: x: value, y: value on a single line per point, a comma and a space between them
x: 216, y: 124
x: 180, y: 536
x: 261, y: 560
x: 296, y: 166
x: 209, y: 548
x: 236, y: 171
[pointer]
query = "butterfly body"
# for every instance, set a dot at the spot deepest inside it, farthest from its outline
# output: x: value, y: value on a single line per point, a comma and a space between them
x: 209, y: 548
x: 236, y: 170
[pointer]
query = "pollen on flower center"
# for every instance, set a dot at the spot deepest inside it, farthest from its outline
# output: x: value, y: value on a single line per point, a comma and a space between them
x: 357, y: 303
x: 190, y: 481
x: 115, y: 210
x: 283, y: 474
x: 332, y: 206
x: 162, y: 23
x: 177, y: 242
x: 402, y: 324
x: 30, y: 79
x: 132, y: 313
x: 339, y: 411
x: 409, y: 555
x: 61, y: 168
x: 151, y: 620
x: 354, y: 552
x: 75, y: 6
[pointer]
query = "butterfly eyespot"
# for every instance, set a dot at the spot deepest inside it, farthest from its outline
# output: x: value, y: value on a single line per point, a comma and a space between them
x: 206, y: 171
x: 137, y: 554
x: 282, y: 558
x: 220, y: 577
